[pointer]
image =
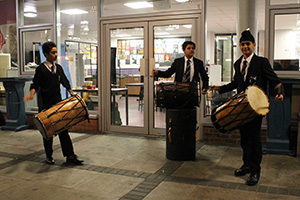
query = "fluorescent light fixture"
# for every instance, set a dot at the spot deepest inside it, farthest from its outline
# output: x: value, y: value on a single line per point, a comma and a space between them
x: 182, y: 1
x: 222, y: 38
x: 162, y: 33
x: 29, y: 14
x: 74, y: 12
x: 29, y: 8
x: 187, y: 26
x: 137, y: 5
x: 122, y: 35
x: 84, y: 22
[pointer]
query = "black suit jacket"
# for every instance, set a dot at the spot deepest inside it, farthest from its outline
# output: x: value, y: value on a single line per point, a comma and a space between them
x: 47, y: 85
x: 178, y: 68
x: 259, y: 71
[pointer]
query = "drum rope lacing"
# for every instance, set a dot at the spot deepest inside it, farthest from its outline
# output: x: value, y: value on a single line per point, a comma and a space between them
x: 71, y: 119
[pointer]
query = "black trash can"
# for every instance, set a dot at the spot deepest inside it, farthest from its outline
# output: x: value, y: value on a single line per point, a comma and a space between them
x: 180, y: 134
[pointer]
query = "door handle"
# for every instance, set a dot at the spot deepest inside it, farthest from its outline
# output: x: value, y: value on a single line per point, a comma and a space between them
x: 151, y: 65
x: 142, y: 66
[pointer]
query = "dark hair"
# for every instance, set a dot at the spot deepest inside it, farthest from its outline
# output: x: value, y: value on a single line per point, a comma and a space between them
x: 47, y: 46
x: 184, y: 45
x: 247, y: 36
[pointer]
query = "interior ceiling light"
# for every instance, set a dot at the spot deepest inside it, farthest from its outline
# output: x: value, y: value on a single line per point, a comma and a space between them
x: 182, y: 1
x: 162, y: 33
x: 137, y: 5
x: 122, y: 35
x: 30, y: 10
x: 30, y: 14
x: 187, y: 26
x: 74, y: 12
x: 84, y: 22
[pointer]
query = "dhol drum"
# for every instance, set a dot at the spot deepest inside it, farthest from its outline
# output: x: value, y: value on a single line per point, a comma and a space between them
x: 176, y: 95
x: 240, y: 109
x: 61, y: 116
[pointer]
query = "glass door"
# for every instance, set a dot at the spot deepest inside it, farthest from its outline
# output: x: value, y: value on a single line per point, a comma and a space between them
x: 132, y: 51
x: 166, y: 39
x: 126, y: 55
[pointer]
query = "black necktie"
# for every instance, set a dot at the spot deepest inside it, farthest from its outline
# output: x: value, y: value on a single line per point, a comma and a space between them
x: 187, y: 71
x: 244, y: 69
x: 52, y: 69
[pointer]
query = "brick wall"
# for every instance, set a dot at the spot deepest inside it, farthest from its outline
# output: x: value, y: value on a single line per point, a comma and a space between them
x: 210, y: 134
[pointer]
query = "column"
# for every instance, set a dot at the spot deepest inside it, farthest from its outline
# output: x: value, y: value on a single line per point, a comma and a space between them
x: 246, y: 18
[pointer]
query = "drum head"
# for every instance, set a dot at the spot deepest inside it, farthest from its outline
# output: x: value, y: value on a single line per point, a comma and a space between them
x: 258, y: 100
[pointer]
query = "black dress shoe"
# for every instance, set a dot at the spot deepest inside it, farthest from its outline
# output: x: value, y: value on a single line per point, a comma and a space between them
x: 242, y: 171
x: 49, y: 160
x: 74, y: 160
x: 253, y: 179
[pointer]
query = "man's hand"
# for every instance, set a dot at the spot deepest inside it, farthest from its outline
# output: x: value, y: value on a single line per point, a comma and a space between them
x: 279, y: 98
x: 204, y: 91
x: 29, y: 97
x: 154, y: 73
x: 71, y: 92
x: 217, y: 88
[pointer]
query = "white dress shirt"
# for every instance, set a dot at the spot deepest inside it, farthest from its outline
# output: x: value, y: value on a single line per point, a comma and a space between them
x: 49, y: 65
x: 248, y: 64
x: 191, y: 69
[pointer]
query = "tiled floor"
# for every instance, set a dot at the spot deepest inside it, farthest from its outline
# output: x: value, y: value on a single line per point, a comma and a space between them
x: 119, y: 166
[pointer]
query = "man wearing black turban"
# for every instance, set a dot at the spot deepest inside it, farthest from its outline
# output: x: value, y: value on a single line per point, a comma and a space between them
x: 249, y: 69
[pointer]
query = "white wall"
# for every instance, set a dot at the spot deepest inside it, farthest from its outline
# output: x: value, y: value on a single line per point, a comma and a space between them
x: 286, y: 42
x: 210, y: 47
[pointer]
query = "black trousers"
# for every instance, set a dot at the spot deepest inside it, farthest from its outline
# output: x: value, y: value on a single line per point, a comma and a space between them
x: 251, y: 144
x: 65, y: 142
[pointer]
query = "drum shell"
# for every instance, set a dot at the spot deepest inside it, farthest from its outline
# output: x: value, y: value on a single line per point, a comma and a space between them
x: 61, y: 116
x: 176, y: 95
x: 234, y: 113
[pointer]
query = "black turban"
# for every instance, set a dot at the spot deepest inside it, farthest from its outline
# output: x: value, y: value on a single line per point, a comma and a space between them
x: 247, y: 36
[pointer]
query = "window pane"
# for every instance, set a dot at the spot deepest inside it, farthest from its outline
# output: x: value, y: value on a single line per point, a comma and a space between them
x: 287, y: 42
x: 8, y: 43
x: 168, y: 42
x: 32, y: 48
x: 224, y: 56
x: 77, y: 39
x: 127, y: 82
x: 37, y: 12
x: 116, y: 7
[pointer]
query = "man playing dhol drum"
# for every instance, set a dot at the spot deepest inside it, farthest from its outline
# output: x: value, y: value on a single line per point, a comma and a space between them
x: 47, y: 79
x: 187, y: 68
x: 249, y: 69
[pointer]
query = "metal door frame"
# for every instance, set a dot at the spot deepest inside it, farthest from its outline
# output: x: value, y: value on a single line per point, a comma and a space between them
x: 198, y: 36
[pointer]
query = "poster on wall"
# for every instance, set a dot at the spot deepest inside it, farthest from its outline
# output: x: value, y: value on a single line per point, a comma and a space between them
x: 167, y: 58
x: 168, y: 45
x: 119, y: 47
x: 85, y: 49
x: 123, y: 47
